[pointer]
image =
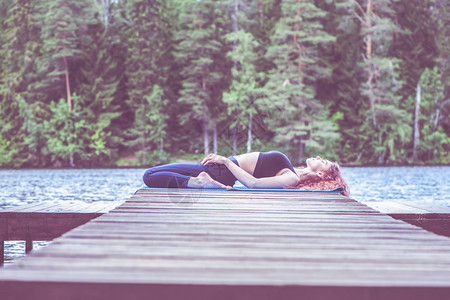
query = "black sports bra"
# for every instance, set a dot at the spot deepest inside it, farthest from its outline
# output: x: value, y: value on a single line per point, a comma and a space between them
x: 270, y: 163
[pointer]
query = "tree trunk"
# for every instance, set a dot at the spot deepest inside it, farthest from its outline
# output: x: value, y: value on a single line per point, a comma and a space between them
x: 72, y: 164
x: 205, y: 138
x: 301, y: 151
x: 249, y: 134
x: 437, y: 115
x: 235, y: 140
x: 161, y: 146
x: 299, y: 46
x: 69, y: 99
x: 260, y: 7
x: 370, y: 66
x: 416, y: 124
x: 236, y: 16
x: 215, y: 138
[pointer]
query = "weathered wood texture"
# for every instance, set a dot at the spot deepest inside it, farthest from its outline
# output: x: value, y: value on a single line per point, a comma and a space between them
x: 430, y: 217
x: 45, y: 221
x: 236, y: 245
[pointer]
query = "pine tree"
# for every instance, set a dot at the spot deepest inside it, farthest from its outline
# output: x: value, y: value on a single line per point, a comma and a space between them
x: 298, y: 116
x: 63, y: 22
x: 150, y: 125
x: 20, y: 108
x: 441, y: 16
x: 245, y: 80
x: 388, y: 129
x: 241, y: 96
x: 199, y: 52
x: 434, y: 142
x: 98, y: 87
x: 415, y: 46
x: 341, y: 89
x: 70, y: 139
x: 148, y: 60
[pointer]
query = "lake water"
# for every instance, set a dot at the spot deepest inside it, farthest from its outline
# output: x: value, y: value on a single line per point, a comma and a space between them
x: 367, y: 184
x: 424, y: 185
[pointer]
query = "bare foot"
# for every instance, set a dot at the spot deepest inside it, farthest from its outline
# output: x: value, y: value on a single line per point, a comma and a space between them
x: 204, y: 181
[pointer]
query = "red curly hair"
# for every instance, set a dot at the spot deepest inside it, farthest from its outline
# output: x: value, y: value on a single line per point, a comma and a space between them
x: 330, y: 180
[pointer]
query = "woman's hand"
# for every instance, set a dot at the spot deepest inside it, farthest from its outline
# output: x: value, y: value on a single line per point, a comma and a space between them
x: 214, y: 158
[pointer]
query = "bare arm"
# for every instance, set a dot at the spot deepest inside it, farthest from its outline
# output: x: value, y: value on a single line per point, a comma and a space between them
x: 287, y: 179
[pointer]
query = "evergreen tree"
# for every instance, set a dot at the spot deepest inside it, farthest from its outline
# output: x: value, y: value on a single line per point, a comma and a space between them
x: 98, y: 87
x: 415, y: 46
x: 241, y: 96
x: 341, y: 89
x: 388, y: 127
x: 441, y: 16
x: 434, y: 142
x: 20, y: 109
x: 148, y: 60
x: 63, y: 23
x: 5, y: 5
x: 150, y: 125
x: 70, y: 139
x: 299, y: 116
x: 199, y: 52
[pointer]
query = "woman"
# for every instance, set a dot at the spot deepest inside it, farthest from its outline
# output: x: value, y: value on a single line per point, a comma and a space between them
x: 257, y: 170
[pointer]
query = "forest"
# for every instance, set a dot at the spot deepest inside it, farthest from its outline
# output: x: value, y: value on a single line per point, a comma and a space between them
x: 98, y: 83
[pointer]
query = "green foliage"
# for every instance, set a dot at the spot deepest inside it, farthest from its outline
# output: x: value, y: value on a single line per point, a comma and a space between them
x: 289, y: 91
x: 385, y: 129
x: 415, y: 45
x: 148, y: 78
x: 99, y: 87
x: 149, y: 129
x: 441, y: 15
x: 434, y: 142
x: 62, y: 23
x: 65, y: 133
x: 246, y: 82
x: 146, y: 71
x: 20, y: 110
x: 70, y: 139
x: 199, y: 53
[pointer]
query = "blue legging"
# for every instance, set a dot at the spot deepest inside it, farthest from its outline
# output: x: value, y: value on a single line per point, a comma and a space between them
x: 178, y: 175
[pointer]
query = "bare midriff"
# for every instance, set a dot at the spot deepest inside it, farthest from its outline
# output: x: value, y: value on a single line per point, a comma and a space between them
x: 247, y: 162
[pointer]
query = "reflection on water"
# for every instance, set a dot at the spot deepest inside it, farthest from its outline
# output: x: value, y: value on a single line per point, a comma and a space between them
x: 17, y: 187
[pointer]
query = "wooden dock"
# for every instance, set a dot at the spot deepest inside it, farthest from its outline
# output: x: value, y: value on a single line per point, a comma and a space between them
x: 236, y: 245
x: 45, y: 221
x: 430, y: 217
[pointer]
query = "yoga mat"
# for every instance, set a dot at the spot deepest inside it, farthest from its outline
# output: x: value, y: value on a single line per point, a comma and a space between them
x: 239, y: 188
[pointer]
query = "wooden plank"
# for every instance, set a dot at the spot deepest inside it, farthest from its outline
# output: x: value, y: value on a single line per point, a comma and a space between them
x: 296, y: 275
x: 293, y: 244
x: 314, y: 241
x: 45, y: 221
x: 136, y: 290
x: 278, y: 245
x: 390, y: 207
x: 270, y: 255
x: 433, y: 218
x: 35, y: 207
